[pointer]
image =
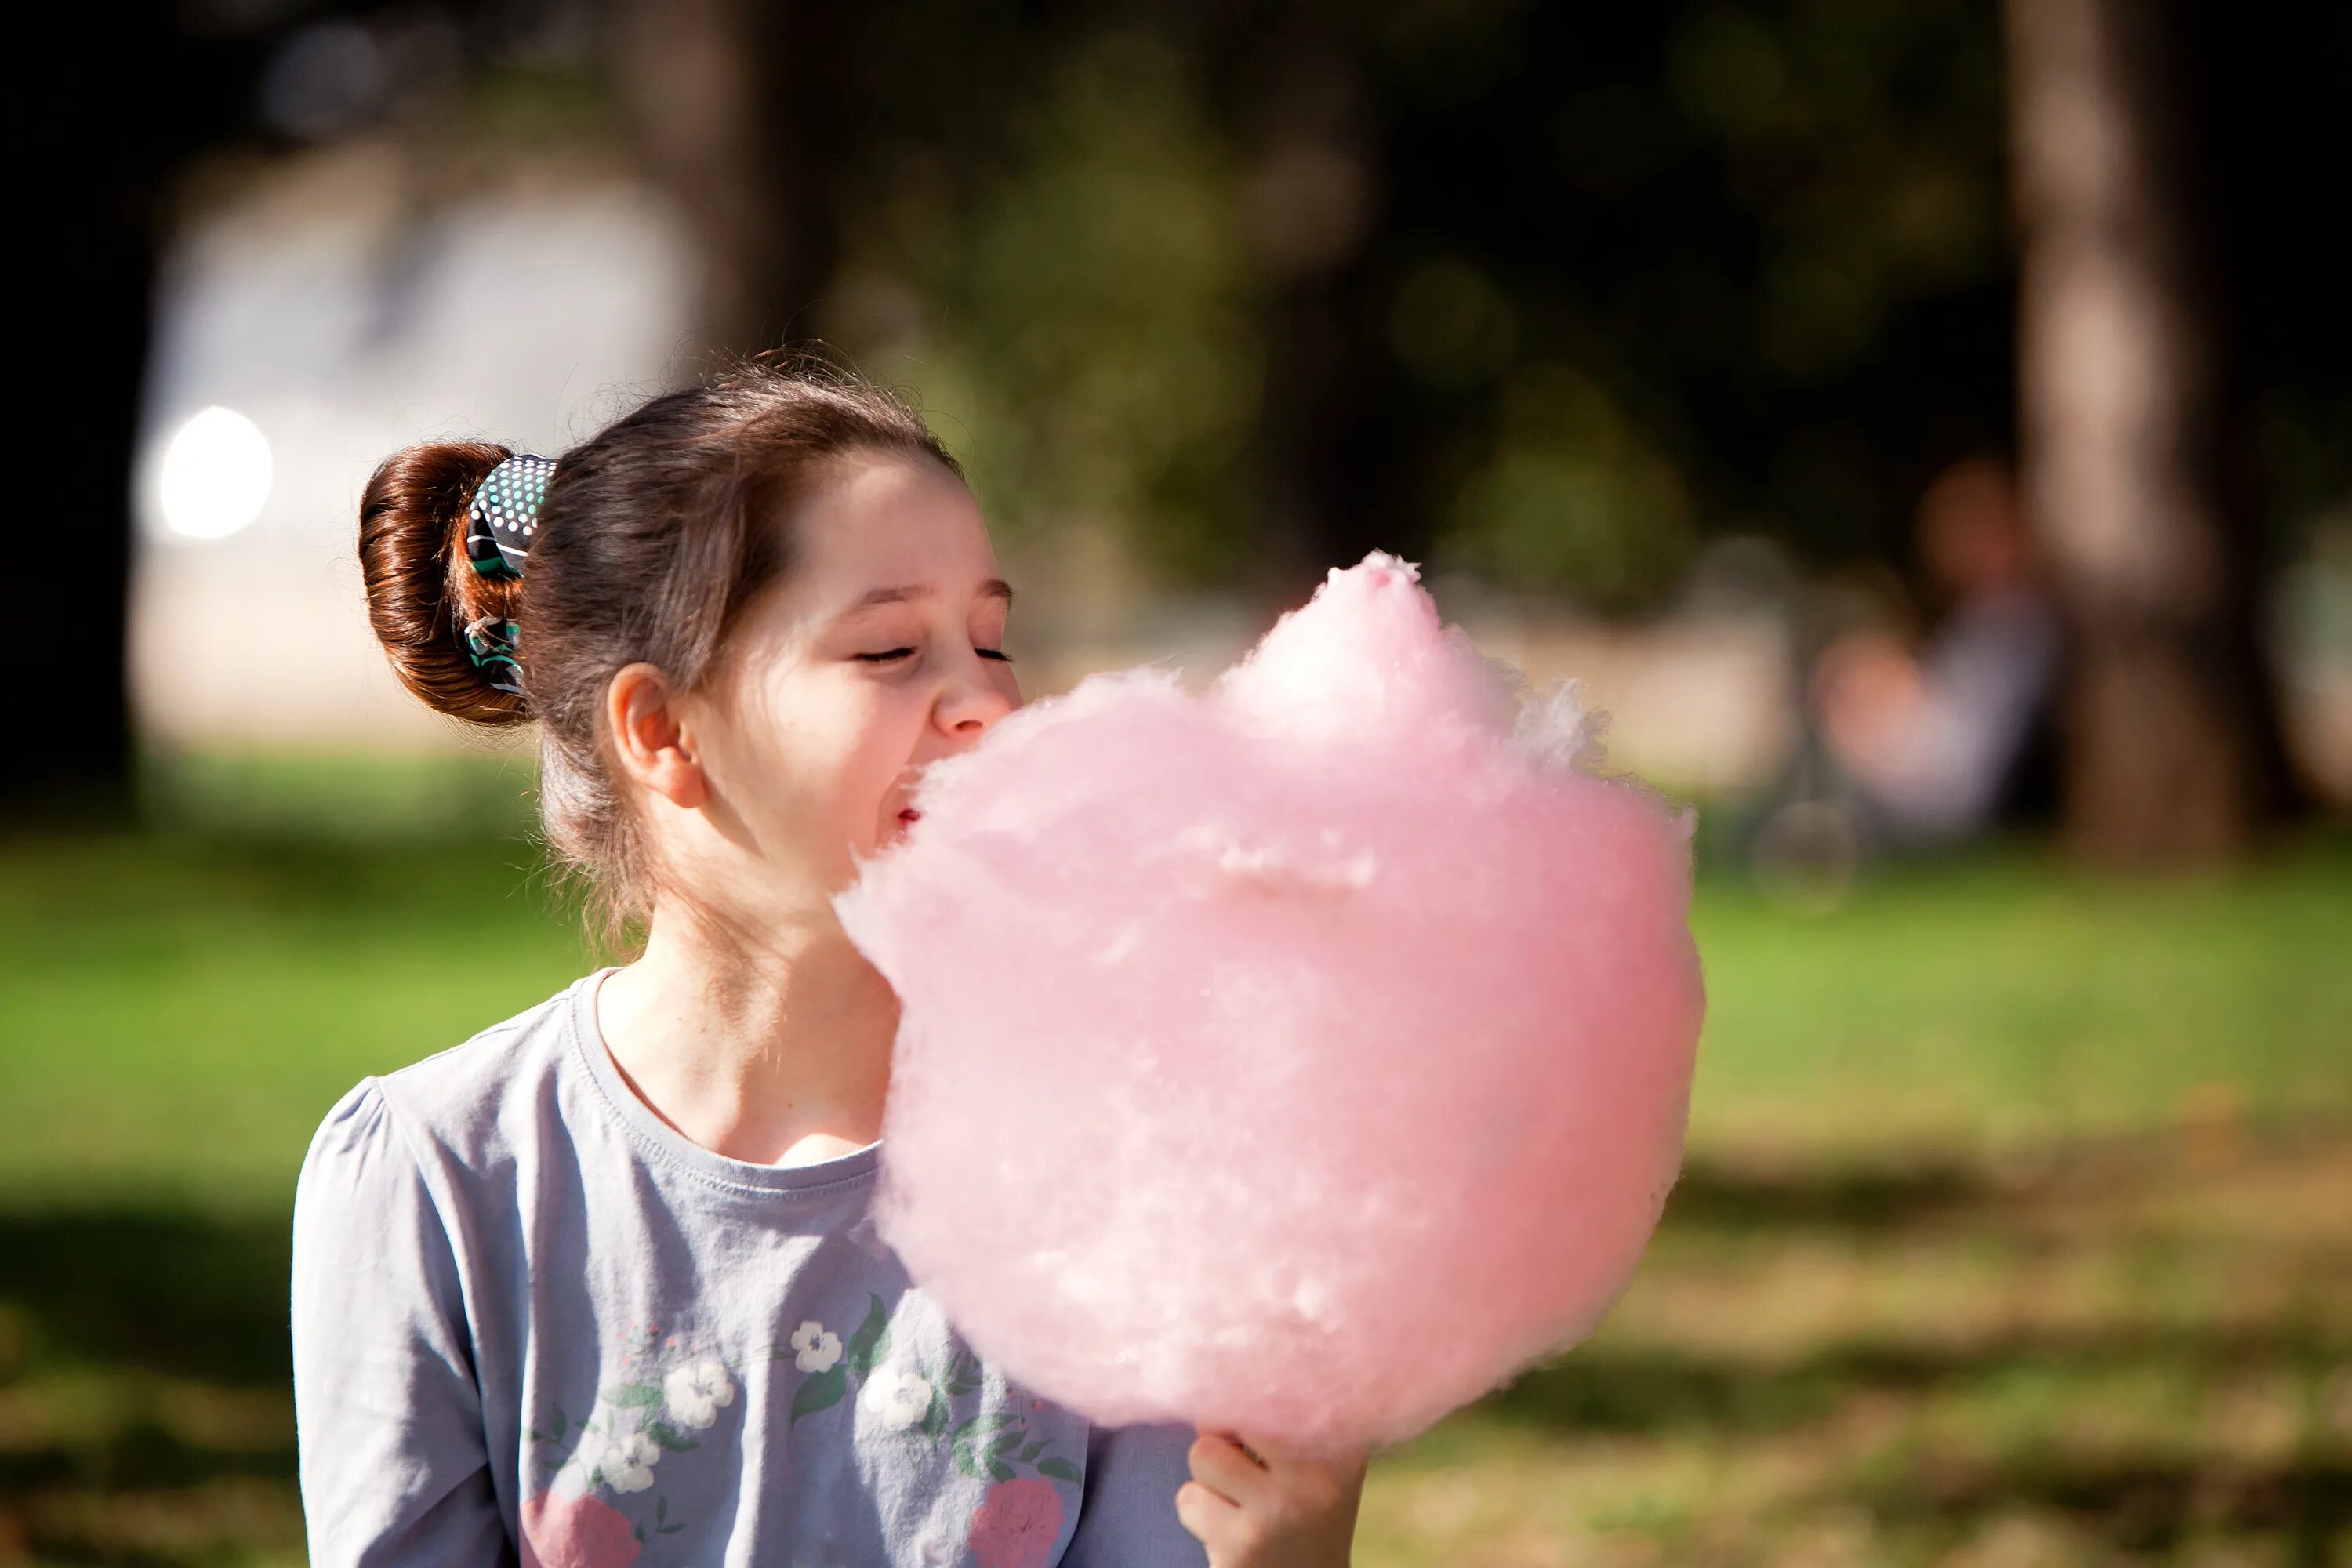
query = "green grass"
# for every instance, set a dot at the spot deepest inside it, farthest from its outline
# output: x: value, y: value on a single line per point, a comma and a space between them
x: 181, y: 1012
x: 2001, y: 1000
x: 2016, y: 1228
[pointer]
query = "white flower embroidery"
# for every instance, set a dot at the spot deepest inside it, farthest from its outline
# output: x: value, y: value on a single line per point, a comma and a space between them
x: 695, y: 1392
x: 897, y: 1399
x: 817, y: 1350
x: 627, y: 1462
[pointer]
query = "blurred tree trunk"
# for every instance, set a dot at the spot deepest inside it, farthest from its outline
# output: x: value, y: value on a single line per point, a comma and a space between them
x: 736, y: 107
x: 98, y: 279
x: 97, y: 177
x: 2170, y: 736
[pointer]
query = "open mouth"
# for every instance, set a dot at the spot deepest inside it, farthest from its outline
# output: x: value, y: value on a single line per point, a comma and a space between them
x: 904, y: 786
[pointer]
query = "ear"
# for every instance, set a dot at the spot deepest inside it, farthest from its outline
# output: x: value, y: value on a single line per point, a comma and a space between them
x: 649, y: 738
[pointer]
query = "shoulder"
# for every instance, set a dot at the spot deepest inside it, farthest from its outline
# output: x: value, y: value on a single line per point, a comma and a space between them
x: 459, y: 1106
x: 467, y: 1082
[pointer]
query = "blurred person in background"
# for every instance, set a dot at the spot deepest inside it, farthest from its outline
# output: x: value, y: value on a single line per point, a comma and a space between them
x: 1941, y: 738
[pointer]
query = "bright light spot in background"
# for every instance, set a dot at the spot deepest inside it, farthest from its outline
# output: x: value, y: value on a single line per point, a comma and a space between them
x: 217, y: 474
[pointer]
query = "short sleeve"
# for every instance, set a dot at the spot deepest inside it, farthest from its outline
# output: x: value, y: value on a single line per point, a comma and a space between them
x: 1127, y: 1513
x: 388, y: 1415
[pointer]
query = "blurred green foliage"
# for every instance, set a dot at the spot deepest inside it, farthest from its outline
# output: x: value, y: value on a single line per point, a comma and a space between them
x: 1597, y: 283
x: 1549, y: 293
x: 1076, y: 311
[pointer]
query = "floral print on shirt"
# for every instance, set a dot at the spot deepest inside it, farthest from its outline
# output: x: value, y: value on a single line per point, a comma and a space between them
x: 665, y: 1395
x: 1020, y: 1519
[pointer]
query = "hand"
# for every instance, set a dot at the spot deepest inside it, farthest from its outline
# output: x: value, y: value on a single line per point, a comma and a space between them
x: 1255, y: 1503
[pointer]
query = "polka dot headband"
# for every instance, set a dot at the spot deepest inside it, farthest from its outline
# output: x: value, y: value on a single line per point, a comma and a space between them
x: 504, y: 511
x: 499, y: 523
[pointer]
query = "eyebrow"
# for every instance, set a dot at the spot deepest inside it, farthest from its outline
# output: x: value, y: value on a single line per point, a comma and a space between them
x: 994, y: 588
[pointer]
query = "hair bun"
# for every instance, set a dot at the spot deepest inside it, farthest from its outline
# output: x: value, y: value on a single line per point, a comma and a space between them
x: 422, y: 592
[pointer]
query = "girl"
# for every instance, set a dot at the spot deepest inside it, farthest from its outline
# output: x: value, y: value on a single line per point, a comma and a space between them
x: 599, y: 1285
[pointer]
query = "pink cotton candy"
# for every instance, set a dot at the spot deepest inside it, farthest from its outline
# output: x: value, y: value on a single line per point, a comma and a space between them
x: 1304, y: 1057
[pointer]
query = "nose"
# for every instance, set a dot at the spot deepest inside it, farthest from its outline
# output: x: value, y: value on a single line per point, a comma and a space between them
x: 975, y: 700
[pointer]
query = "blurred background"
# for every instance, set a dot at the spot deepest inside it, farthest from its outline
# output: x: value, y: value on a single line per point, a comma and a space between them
x: 1924, y: 426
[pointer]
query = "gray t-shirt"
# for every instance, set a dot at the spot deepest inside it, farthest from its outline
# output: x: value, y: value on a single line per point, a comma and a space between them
x: 533, y: 1322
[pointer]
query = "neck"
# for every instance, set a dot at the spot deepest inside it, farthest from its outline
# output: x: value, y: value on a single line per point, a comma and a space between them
x: 772, y: 1048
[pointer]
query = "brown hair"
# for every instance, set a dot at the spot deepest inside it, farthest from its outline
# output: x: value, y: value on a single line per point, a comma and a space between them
x: 653, y: 535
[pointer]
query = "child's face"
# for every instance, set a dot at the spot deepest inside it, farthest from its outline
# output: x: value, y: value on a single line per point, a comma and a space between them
x: 811, y: 745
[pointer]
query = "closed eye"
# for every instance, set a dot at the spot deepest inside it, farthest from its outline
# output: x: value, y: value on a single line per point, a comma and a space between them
x: 903, y: 652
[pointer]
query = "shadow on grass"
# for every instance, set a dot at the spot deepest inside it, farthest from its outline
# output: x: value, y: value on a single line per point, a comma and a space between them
x: 2142, y: 1506
x: 150, y: 1351
x: 1601, y: 1389
x: 143, y: 1316
x: 2154, y: 1506
x: 1716, y: 1197
x: 182, y: 1295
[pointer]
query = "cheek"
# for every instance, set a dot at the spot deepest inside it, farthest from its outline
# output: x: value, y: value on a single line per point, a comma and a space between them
x: 785, y: 755
x: 850, y: 755
x: 821, y: 748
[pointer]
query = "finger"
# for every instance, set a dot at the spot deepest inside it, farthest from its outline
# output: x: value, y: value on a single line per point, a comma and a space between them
x: 1338, y: 1458
x: 1224, y: 1461
x: 1340, y: 1468
x: 1218, y: 1461
x: 1211, y: 1518
x: 1244, y: 1446
x: 1265, y: 1448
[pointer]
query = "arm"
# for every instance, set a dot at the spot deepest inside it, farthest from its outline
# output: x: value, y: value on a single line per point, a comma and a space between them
x: 395, y: 1469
